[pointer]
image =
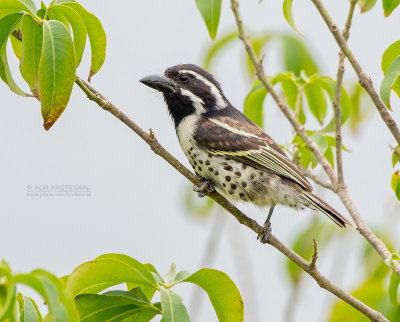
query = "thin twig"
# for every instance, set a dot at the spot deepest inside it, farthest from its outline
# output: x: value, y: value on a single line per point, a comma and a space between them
x: 322, y: 280
x: 362, y: 227
x: 314, y: 257
x: 338, y: 95
x: 365, y: 81
x: 314, y: 177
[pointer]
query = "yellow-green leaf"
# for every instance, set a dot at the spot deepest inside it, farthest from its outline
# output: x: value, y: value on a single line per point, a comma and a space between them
x: 78, y: 28
x: 216, y: 48
x: 395, y: 184
x: 7, y: 25
x: 97, y: 37
x: 210, y: 11
x: 253, y: 105
x: 56, y: 70
x: 390, y: 54
x: 388, y: 81
x: 32, y: 36
x: 389, y: 6
x: 287, y: 12
x: 222, y: 291
x: 393, y: 286
x: 316, y: 101
x: 11, y: 6
x: 366, y: 5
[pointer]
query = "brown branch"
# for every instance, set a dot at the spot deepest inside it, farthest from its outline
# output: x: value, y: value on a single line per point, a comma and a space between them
x: 338, y: 95
x: 323, y: 281
x: 284, y: 108
x: 362, y: 227
x: 365, y: 81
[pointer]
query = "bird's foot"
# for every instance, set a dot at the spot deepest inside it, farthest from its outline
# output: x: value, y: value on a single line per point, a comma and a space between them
x: 266, y: 233
x: 206, y: 187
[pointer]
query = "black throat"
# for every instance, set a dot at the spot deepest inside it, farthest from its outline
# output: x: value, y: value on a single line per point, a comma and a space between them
x: 179, y: 107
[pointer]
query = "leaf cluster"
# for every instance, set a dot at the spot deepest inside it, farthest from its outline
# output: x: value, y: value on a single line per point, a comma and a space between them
x: 84, y: 294
x: 49, y: 42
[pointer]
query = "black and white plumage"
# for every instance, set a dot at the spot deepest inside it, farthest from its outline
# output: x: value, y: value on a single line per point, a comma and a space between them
x: 225, y: 147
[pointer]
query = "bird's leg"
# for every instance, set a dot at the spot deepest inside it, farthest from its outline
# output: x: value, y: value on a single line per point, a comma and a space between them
x: 266, y: 234
x: 206, y: 187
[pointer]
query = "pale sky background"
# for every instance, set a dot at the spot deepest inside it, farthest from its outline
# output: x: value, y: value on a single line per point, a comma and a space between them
x: 136, y: 203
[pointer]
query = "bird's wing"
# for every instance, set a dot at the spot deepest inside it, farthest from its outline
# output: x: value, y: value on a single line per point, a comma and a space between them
x: 245, y: 142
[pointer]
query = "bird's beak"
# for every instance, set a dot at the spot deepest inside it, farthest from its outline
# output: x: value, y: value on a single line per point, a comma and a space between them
x: 159, y: 83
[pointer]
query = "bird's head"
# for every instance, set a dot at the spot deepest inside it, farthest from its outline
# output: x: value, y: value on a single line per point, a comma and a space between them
x: 188, y: 89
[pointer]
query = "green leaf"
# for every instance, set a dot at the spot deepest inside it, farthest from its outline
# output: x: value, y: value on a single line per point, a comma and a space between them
x: 97, y: 37
x: 7, y: 25
x: 17, y: 47
x: 316, y: 101
x: 388, y: 81
x: 170, y: 276
x: 7, y: 292
x: 173, y: 309
x: 108, y: 270
x: 12, y: 6
x: 366, y: 5
x: 253, y: 104
x: 395, y: 184
x: 390, y: 54
x: 305, y: 156
x: 389, y: 6
x: 216, y: 48
x: 297, y: 57
x: 78, y: 28
x: 60, y: 304
x: 28, y: 310
x: 143, y: 269
x: 222, y: 291
x: 110, y: 306
x: 329, y: 156
x: 287, y: 12
x: 210, y: 11
x: 393, y: 286
x: 394, y: 158
x: 320, y: 141
x: 56, y: 71
x: 290, y: 90
x: 32, y: 37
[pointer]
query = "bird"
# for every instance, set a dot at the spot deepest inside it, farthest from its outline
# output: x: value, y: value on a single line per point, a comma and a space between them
x: 231, y: 153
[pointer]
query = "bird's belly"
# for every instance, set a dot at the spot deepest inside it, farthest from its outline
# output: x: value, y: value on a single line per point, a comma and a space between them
x: 241, y: 182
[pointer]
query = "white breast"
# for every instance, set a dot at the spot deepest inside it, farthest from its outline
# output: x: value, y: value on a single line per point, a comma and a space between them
x: 185, y: 132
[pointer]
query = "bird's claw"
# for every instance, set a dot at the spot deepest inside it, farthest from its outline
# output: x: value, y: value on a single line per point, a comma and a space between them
x: 206, y: 187
x: 266, y: 233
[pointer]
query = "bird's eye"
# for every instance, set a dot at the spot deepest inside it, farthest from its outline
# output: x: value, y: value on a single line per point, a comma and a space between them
x: 183, y: 77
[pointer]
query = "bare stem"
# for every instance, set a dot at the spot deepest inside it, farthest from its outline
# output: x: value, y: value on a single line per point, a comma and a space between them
x: 314, y: 177
x: 338, y: 95
x: 310, y: 269
x: 362, y: 226
x: 365, y: 81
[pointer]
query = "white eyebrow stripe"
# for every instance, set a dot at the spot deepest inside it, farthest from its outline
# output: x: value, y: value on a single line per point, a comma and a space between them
x: 235, y: 130
x: 197, y: 101
x: 220, y: 102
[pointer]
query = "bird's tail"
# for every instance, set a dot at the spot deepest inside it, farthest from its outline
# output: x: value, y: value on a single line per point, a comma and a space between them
x: 326, y: 209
